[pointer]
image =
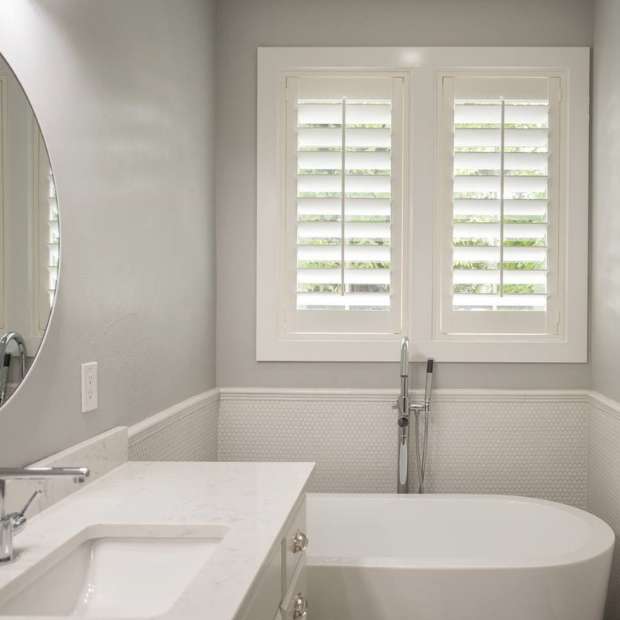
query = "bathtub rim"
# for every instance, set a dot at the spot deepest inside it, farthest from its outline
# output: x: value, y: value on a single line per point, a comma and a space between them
x: 602, y: 541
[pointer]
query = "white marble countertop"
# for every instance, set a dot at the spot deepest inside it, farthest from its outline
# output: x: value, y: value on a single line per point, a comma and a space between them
x: 253, y: 500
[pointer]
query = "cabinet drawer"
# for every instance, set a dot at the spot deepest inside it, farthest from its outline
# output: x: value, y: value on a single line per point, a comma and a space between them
x: 295, y: 604
x: 295, y: 543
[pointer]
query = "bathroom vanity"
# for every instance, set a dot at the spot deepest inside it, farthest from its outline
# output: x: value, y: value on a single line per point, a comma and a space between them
x: 192, y: 540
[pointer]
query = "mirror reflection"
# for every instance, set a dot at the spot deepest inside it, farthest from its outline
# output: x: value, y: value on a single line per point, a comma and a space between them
x: 30, y: 235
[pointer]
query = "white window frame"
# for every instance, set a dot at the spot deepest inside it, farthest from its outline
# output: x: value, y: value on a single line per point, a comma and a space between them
x: 283, y: 333
x: 425, y: 68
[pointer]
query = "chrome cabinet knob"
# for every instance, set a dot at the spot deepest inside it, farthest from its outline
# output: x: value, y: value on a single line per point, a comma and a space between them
x: 300, y: 541
x: 300, y: 608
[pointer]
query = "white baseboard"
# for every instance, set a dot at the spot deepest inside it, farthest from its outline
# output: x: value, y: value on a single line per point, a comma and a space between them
x: 389, y: 395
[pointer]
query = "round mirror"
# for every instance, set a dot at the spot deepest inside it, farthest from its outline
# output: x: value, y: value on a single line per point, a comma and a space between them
x: 30, y: 235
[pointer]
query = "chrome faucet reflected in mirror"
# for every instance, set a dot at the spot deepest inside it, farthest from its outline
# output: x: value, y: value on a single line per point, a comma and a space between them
x: 12, y: 523
x: 405, y: 408
x: 5, y: 361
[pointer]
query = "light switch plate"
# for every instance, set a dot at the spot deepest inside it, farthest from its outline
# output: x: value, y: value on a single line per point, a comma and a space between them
x: 89, y: 387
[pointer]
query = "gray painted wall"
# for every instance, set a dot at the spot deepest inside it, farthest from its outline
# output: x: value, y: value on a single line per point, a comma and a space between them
x: 605, y: 245
x: 124, y: 95
x: 242, y: 25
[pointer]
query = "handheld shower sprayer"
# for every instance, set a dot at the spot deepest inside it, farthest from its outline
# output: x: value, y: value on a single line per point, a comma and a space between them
x: 428, y: 385
x: 421, y: 441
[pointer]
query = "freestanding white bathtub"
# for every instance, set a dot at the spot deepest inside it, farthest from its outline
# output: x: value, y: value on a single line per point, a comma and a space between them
x: 454, y: 557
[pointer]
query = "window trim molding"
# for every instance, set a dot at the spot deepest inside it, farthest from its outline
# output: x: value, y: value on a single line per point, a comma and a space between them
x: 423, y: 64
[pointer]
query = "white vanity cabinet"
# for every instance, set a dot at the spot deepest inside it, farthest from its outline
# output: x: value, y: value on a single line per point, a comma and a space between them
x: 280, y: 590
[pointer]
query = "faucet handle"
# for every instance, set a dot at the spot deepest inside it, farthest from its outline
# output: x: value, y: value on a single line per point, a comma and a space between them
x: 19, y: 518
x: 22, y: 512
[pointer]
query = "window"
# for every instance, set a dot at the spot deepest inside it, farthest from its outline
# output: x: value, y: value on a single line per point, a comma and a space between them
x: 500, y: 247
x: 444, y: 197
x: 344, y: 198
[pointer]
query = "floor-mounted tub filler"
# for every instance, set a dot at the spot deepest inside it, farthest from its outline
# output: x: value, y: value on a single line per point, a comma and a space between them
x: 447, y: 557
x: 405, y: 408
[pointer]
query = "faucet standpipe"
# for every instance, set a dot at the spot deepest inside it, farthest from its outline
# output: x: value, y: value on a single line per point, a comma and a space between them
x: 405, y: 408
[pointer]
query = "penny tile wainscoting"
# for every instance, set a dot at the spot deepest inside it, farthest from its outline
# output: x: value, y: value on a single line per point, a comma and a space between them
x: 521, y: 443
x: 186, y: 431
x: 559, y: 445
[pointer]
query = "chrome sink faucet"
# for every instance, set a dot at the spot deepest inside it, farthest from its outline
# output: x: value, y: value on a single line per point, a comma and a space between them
x: 12, y: 523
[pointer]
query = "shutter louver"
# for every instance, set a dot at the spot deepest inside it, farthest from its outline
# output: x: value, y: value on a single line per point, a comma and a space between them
x: 500, y: 204
x: 54, y: 238
x: 343, y: 203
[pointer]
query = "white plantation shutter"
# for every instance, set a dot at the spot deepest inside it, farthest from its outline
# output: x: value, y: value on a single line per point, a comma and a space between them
x: 344, y: 202
x: 53, y: 246
x: 499, y: 246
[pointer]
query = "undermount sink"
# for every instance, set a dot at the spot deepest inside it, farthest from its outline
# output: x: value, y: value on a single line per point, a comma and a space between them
x: 117, y: 576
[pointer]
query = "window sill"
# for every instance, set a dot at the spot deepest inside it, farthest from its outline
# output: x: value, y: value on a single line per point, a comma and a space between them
x: 455, y: 351
x: 385, y: 349
x: 505, y: 350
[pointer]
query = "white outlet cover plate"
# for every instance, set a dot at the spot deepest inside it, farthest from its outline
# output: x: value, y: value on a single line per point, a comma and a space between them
x: 89, y: 387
